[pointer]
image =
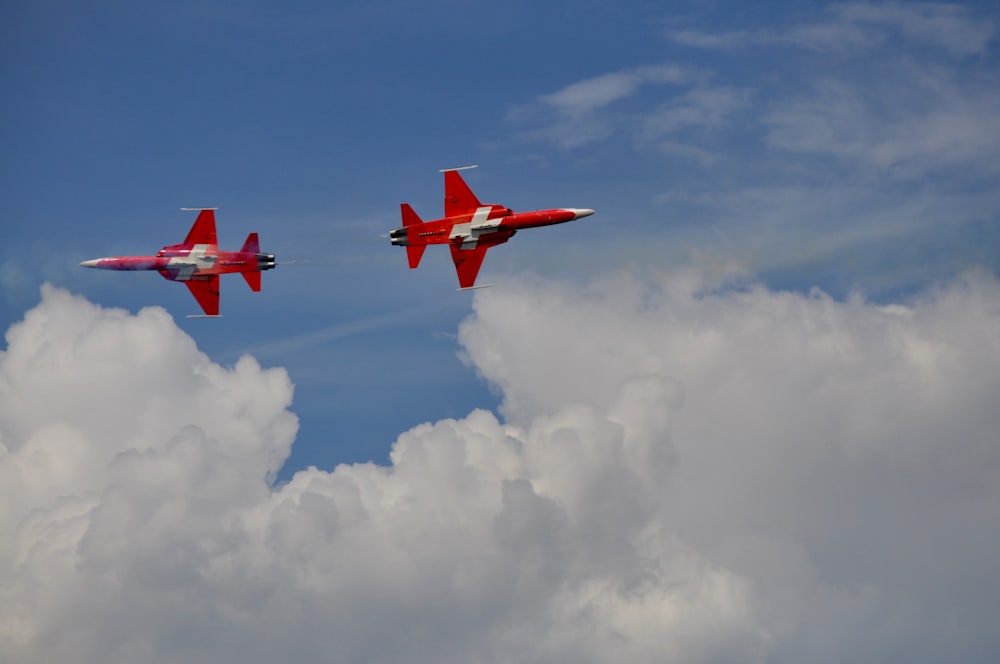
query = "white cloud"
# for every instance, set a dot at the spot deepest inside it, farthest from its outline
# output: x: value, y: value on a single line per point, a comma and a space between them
x: 878, y: 100
x: 854, y: 27
x: 948, y: 26
x: 709, y: 107
x: 833, y: 36
x: 594, y: 93
x: 124, y: 454
x: 683, y: 473
x: 577, y: 114
x: 822, y: 451
x: 600, y: 91
x: 877, y: 97
x: 916, y: 121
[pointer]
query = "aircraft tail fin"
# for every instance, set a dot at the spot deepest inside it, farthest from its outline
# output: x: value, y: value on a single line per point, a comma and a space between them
x: 253, y: 279
x: 414, y: 253
x: 410, y: 217
x: 252, y: 245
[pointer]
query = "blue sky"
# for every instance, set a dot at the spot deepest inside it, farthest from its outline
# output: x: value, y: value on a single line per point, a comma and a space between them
x: 807, y: 144
x: 746, y: 411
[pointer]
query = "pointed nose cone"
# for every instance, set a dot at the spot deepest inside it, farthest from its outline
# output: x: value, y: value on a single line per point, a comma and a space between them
x: 92, y: 263
x: 581, y: 212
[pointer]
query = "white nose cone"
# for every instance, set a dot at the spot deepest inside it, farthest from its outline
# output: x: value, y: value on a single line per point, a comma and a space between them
x: 92, y: 263
x: 581, y: 212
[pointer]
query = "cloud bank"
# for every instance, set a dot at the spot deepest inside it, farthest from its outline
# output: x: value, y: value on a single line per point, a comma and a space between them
x: 683, y: 473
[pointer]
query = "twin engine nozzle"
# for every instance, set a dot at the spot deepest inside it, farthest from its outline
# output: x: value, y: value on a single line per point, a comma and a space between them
x: 265, y: 261
x: 399, y: 237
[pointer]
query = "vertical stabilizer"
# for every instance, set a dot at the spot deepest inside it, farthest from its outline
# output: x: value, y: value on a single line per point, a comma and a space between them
x: 401, y: 236
x: 252, y: 245
x: 410, y: 217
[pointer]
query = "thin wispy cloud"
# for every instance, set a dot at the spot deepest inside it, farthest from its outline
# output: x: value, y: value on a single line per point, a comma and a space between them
x: 839, y: 109
x: 941, y: 108
x: 855, y: 27
x: 953, y: 27
x: 941, y: 120
x: 300, y: 342
x: 578, y: 114
x: 706, y: 107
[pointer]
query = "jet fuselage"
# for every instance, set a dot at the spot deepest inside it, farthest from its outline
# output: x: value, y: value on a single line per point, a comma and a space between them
x: 197, y: 262
x: 194, y: 263
x: 486, y: 222
x: 469, y: 227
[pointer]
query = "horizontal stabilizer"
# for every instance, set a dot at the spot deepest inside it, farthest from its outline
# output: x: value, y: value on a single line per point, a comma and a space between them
x: 253, y: 278
x: 414, y: 253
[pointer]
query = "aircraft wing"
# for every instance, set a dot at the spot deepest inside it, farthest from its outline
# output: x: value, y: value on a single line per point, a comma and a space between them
x: 206, y: 290
x: 203, y: 230
x: 467, y: 263
x: 458, y: 198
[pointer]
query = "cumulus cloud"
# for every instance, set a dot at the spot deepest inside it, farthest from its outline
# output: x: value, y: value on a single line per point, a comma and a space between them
x: 819, y: 451
x: 125, y: 455
x: 682, y: 472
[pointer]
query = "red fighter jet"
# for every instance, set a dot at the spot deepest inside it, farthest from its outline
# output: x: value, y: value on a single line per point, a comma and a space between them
x: 198, y: 262
x: 469, y: 227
